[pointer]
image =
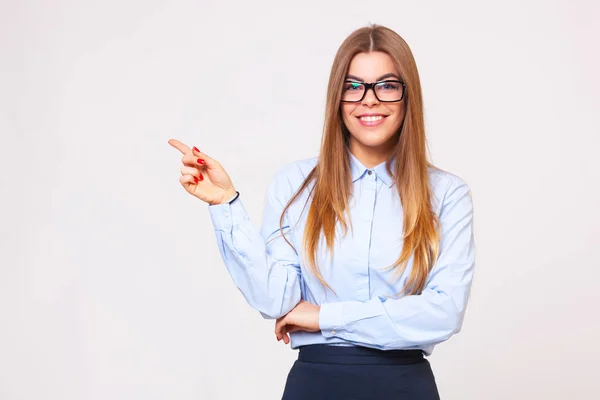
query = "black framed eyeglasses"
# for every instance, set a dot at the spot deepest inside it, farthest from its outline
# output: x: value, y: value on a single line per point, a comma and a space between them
x: 388, y: 91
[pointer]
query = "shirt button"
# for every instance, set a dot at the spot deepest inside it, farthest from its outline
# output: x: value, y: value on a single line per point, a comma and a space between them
x: 370, y: 172
x: 226, y: 214
x: 333, y: 332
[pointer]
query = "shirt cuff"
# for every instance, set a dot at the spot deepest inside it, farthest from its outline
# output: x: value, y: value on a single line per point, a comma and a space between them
x: 225, y: 216
x: 330, y: 318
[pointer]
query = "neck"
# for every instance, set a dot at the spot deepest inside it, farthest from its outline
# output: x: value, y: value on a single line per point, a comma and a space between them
x: 370, y: 156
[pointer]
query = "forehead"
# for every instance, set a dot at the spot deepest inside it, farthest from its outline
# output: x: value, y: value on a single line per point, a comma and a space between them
x: 370, y: 66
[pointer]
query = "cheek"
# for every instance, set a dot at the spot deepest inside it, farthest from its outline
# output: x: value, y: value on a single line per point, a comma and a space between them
x: 346, y: 112
x: 398, y: 114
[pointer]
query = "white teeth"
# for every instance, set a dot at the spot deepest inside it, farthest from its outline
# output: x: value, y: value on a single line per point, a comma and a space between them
x: 371, y: 118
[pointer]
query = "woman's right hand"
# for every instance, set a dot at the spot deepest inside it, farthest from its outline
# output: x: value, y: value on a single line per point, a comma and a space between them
x: 202, y: 176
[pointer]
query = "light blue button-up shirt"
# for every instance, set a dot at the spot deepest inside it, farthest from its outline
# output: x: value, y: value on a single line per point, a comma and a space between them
x: 273, y: 278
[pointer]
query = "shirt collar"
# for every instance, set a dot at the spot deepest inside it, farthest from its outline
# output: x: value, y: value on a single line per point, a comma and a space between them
x: 358, y: 170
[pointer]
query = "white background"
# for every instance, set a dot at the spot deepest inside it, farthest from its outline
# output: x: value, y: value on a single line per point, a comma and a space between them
x: 111, y: 284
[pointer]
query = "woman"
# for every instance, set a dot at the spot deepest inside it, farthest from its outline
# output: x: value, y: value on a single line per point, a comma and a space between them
x: 387, y: 239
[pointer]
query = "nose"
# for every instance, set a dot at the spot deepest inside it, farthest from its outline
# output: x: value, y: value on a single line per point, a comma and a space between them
x: 370, y: 99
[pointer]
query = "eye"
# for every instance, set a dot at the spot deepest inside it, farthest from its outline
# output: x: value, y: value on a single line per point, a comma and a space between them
x: 389, y: 85
x: 352, y: 86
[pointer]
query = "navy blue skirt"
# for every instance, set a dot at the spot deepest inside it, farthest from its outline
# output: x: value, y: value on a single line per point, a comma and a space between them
x: 342, y: 372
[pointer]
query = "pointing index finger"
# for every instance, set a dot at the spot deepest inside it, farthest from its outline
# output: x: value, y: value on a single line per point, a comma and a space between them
x: 180, y: 146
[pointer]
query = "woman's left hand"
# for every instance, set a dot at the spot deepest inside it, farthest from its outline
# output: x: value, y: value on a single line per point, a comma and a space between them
x: 304, y: 317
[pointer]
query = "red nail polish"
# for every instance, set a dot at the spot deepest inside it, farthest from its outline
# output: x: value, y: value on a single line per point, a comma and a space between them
x: 200, y: 161
x: 195, y: 179
x: 201, y: 177
x: 195, y: 148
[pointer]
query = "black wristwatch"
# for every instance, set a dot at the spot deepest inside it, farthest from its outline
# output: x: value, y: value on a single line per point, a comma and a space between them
x: 237, y: 194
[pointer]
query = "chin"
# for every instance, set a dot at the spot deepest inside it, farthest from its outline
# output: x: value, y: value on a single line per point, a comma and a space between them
x: 373, y: 138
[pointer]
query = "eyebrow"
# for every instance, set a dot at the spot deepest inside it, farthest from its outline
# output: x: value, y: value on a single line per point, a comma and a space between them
x: 382, y: 77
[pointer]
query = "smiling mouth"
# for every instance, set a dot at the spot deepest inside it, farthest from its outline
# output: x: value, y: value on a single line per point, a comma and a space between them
x: 371, y: 118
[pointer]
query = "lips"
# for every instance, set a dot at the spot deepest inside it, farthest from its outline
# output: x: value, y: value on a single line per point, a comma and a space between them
x: 371, y: 119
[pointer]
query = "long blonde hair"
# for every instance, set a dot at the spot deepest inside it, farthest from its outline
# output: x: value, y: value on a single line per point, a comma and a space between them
x: 332, y: 176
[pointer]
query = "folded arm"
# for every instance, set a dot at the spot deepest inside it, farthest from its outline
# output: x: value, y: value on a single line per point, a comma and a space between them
x: 417, y: 320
